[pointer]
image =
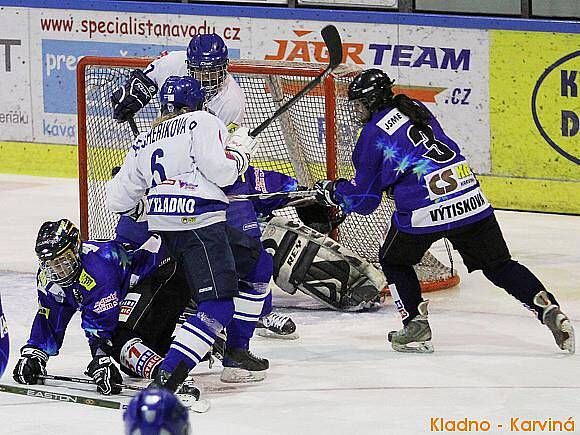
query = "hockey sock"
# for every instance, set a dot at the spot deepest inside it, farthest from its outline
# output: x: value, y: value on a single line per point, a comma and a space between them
x: 405, y: 289
x: 520, y: 282
x: 198, y: 333
x: 248, y: 309
x: 139, y: 359
x: 267, y: 308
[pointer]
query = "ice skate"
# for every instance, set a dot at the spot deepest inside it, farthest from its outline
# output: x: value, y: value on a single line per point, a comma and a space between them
x: 186, y: 388
x: 415, y: 337
x: 240, y: 365
x: 276, y: 325
x: 557, y: 321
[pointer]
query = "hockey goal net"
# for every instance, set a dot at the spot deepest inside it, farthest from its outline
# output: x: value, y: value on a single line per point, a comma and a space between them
x: 313, y: 140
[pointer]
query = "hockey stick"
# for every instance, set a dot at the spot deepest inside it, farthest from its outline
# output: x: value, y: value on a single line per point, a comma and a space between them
x: 257, y: 196
x: 62, y: 397
x: 84, y: 381
x: 200, y: 406
x: 334, y: 46
x: 133, y: 126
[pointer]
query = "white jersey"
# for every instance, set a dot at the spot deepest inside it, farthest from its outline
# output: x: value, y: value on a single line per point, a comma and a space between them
x: 180, y: 164
x: 228, y: 104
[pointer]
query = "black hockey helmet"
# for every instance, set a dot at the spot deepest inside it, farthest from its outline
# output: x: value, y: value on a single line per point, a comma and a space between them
x: 370, y: 91
x: 58, y: 247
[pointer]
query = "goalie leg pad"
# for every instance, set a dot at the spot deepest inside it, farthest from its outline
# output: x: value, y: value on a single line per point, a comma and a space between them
x: 320, y: 267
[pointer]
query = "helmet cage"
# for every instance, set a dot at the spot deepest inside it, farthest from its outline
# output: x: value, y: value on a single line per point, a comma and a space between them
x: 360, y: 109
x: 211, y: 76
x: 64, y: 267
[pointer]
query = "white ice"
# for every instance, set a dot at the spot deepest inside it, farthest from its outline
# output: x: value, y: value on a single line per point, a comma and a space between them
x: 493, y: 360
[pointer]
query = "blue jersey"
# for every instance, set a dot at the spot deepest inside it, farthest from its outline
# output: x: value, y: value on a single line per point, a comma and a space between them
x: 244, y: 214
x: 4, y: 348
x: 108, y: 270
x: 434, y: 186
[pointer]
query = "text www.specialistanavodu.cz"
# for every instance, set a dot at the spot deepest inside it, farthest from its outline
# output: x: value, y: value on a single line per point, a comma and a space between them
x: 123, y: 26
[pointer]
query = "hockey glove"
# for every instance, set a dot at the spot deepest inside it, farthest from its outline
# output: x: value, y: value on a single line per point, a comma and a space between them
x: 325, y: 192
x: 132, y: 96
x: 32, y: 363
x: 138, y: 213
x: 105, y: 374
x: 241, y: 147
x: 240, y: 138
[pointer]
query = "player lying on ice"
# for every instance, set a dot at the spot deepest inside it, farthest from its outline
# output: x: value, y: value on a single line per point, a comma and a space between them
x: 92, y: 277
x: 206, y: 59
x: 403, y: 149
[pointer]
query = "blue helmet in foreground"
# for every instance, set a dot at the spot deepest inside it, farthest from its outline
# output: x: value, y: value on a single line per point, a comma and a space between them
x: 156, y: 411
x: 179, y: 92
x: 207, y: 61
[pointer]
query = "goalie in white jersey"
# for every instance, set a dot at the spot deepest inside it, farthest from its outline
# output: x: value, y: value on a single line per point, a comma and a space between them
x: 206, y: 59
x: 181, y: 165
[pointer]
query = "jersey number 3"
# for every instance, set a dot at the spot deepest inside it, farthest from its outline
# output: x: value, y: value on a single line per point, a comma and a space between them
x: 436, y: 150
x: 157, y: 168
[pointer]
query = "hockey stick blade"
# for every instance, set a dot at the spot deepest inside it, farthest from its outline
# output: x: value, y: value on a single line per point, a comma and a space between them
x: 334, y: 46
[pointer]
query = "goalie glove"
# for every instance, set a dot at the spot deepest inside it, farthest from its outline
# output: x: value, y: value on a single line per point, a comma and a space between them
x: 105, y: 374
x: 133, y: 95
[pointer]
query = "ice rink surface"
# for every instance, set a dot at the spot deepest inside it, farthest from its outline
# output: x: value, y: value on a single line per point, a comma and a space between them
x: 493, y: 360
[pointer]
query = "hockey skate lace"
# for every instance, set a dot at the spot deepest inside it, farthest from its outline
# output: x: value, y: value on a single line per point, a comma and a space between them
x: 276, y: 320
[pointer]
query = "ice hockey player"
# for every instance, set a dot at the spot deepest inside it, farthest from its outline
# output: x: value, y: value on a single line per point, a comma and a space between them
x: 206, y: 59
x: 181, y: 164
x: 4, y: 343
x: 156, y: 411
x: 402, y: 148
x: 91, y: 277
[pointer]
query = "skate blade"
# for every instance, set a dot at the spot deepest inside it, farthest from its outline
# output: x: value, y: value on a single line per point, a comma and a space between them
x: 234, y: 375
x: 266, y: 333
x: 199, y: 406
x: 570, y: 343
x: 417, y: 347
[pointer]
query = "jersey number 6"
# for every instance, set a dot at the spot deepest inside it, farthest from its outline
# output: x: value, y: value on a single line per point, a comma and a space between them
x: 157, y: 167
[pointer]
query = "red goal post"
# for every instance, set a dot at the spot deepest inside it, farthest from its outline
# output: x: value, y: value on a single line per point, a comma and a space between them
x: 311, y: 141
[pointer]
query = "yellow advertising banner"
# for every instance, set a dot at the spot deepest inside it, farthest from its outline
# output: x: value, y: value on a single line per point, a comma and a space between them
x: 534, y: 121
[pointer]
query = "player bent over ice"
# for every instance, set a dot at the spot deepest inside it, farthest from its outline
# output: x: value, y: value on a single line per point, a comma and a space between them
x: 181, y: 164
x: 402, y: 148
x: 91, y: 277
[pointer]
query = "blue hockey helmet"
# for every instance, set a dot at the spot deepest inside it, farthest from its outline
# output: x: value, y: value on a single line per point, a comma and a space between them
x: 207, y: 61
x: 179, y: 92
x: 156, y: 411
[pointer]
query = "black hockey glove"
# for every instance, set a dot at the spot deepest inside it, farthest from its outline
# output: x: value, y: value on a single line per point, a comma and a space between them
x: 325, y: 192
x: 132, y: 96
x: 105, y: 374
x: 32, y: 363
